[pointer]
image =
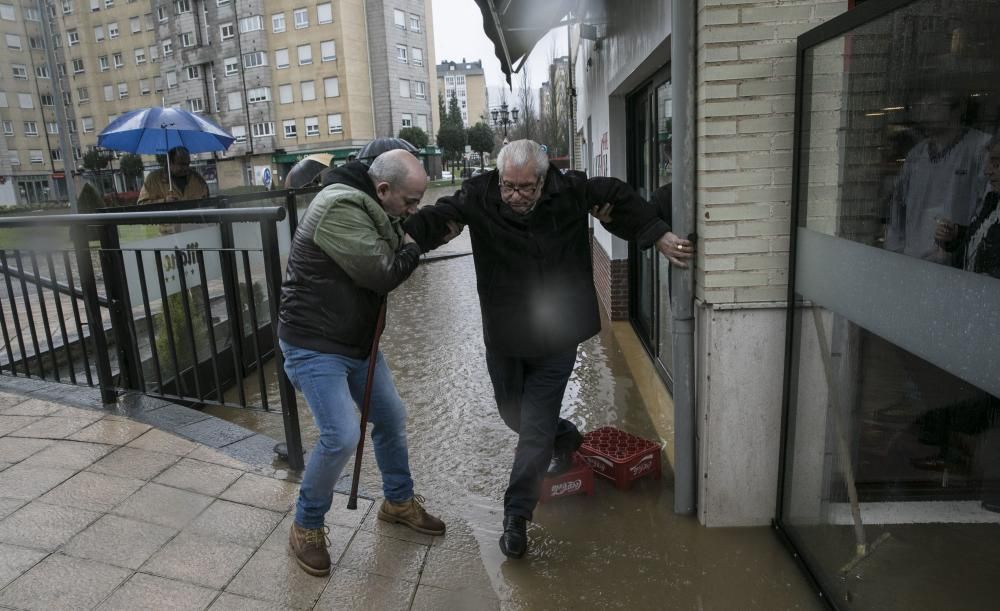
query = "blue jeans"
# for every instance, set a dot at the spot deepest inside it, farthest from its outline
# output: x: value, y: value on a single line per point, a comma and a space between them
x: 334, y: 387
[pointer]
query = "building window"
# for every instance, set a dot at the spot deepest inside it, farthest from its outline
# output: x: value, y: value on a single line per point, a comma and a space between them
x: 278, y: 23
x: 328, y: 49
x: 305, y: 55
x: 140, y: 55
x: 232, y: 65
x: 414, y: 23
x: 144, y: 86
x: 71, y: 124
x: 56, y: 154
x: 407, y: 120
x: 47, y: 100
x: 301, y: 16
x: 8, y: 128
x: 20, y: 72
x: 161, y: 13
x: 150, y: 24
x: 222, y: 2
x: 88, y: 124
x: 308, y: 90
x: 334, y: 124
x: 102, y: 63
x: 255, y: 59
x: 83, y: 94
x: 3, y: 100
x: 113, y: 30
x: 135, y: 24
x: 399, y: 18
x: 234, y: 100
x: 36, y: 156
x: 227, y: 31
x: 168, y: 48
x: 196, y: 105
x: 401, y: 53
x: 42, y: 71
x: 30, y: 128
x: 182, y: 6
x: 13, y: 41
x: 331, y: 87
x: 251, y: 24
x: 239, y: 132
x: 419, y: 90
x: 32, y: 14
x: 73, y: 37
x: 24, y: 100
x: 171, y: 79
x: 312, y: 126
x: 109, y: 3
x: 193, y: 72
x: 51, y: 127
x: 77, y: 66
x: 418, y: 56
x: 109, y: 93
x: 158, y: 84
x: 153, y: 50
x: 258, y: 94
x: 34, y: 42
x: 263, y: 129
x: 285, y: 94
x: 118, y: 60
x: 99, y: 33
x: 67, y: 6
x: 404, y: 88
x: 422, y: 122
x: 324, y: 13
x: 187, y: 39
x: 291, y: 131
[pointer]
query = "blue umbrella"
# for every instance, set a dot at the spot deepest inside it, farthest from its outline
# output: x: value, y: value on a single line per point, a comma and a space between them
x: 157, y: 130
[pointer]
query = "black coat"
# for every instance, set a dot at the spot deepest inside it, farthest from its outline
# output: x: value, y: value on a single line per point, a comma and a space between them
x: 534, y: 273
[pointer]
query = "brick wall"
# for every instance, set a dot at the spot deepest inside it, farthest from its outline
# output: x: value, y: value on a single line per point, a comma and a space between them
x: 611, y: 283
x: 745, y: 93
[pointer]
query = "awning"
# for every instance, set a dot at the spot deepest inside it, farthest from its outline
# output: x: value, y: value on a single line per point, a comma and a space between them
x: 515, y: 26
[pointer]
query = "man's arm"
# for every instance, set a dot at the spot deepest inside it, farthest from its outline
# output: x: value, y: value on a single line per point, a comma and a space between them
x: 350, y: 238
x: 433, y: 225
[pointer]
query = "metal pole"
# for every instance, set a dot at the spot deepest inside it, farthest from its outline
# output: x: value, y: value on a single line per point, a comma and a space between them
x: 570, y: 93
x: 57, y: 93
x: 682, y: 53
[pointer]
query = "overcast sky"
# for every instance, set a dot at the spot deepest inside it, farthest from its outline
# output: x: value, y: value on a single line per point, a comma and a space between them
x: 458, y: 33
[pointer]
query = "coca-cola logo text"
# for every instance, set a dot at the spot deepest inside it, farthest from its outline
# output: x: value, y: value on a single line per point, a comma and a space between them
x: 566, y: 487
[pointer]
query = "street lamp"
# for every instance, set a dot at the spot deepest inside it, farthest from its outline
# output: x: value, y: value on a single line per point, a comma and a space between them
x: 503, y: 117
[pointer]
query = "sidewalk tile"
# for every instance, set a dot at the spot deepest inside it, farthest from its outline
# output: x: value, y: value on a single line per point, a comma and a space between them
x: 340, y: 537
x: 42, y: 526
x: 31, y: 407
x: 275, y: 575
x: 449, y: 569
x: 210, y: 455
x: 435, y: 599
x: 151, y: 592
x: 92, y: 491
x: 341, y: 515
x: 460, y: 536
x: 214, y: 432
x: 68, y: 455
x: 16, y: 449
x: 61, y: 582
x: 9, y: 506
x: 199, y: 476
x: 385, y: 556
x: 199, y: 559
x: 7, y: 399
x: 51, y: 427
x: 14, y: 561
x: 157, y: 441
x: 351, y: 590
x: 119, y: 541
x: 240, y: 524
x: 232, y: 602
x: 133, y: 462
x: 10, y: 424
x: 382, y: 528
x: 78, y: 412
x: 170, y: 417
x: 23, y: 482
x: 163, y: 505
x: 113, y: 432
x: 264, y: 492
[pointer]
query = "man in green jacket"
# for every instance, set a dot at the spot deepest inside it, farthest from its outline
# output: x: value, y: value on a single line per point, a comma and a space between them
x: 348, y: 252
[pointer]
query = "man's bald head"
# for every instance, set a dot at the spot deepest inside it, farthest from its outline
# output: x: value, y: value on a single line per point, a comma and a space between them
x: 400, y: 181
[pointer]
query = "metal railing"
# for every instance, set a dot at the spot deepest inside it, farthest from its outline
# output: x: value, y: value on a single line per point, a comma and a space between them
x: 162, y: 332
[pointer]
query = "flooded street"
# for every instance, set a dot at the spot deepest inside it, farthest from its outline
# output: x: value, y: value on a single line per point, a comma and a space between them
x: 613, y: 550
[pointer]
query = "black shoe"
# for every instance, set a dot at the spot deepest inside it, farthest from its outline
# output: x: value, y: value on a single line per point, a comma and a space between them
x: 514, y: 540
x: 561, y: 463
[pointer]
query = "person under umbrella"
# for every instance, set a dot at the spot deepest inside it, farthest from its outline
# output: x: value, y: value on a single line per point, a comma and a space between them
x: 178, y: 183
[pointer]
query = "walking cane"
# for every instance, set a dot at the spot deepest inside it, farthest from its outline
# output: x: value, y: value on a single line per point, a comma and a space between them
x: 352, y: 501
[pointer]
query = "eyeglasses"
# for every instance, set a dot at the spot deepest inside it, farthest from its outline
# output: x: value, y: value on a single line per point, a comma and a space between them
x: 507, y: 188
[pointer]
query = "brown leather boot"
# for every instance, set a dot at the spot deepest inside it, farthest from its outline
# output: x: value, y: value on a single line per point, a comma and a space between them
x: 411, y: 513
x: 308, y: 545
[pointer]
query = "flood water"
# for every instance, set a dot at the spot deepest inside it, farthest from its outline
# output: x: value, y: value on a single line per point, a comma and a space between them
x: 613, y: 550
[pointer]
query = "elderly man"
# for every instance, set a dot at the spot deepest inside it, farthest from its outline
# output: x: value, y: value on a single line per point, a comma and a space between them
x: 531, y: 247
x: 348, y: 252
x: 183, y: 182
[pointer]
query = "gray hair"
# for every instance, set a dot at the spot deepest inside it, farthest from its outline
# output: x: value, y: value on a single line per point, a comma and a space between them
x: 389, y: 168
x: 523, y: 153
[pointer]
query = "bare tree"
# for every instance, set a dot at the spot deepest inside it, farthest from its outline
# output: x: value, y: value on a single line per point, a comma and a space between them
x: 553, y: 113
x: 528, y: 121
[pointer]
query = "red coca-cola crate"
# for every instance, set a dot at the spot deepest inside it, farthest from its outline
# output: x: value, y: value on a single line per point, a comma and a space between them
x: 579, y: 479
x: 621, y: 457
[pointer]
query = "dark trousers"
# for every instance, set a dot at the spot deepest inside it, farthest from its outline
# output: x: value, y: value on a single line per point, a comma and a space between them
x: 529, y: 394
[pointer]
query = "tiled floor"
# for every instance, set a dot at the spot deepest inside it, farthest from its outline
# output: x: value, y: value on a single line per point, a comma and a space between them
x: 101, y: 512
